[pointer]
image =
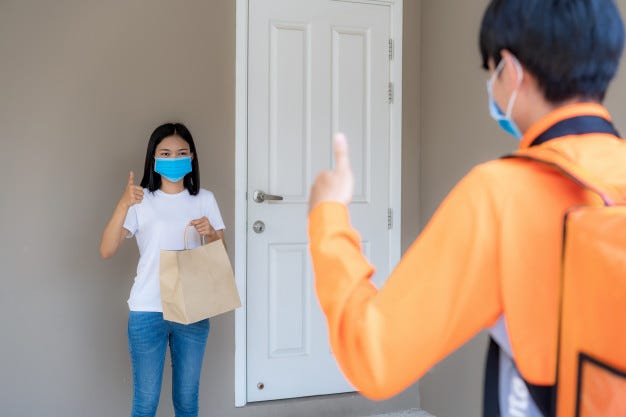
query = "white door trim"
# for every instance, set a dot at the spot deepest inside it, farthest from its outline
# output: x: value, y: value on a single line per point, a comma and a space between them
x: 241, y: 170
x: 241, y: 186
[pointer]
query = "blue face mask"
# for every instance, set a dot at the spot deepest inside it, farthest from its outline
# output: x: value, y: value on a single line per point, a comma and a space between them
x: 173, y: 169
x: 505, y: 120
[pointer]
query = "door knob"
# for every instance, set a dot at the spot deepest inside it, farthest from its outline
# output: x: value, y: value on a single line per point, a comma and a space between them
x: 258, y: 226
x: 259, y: 196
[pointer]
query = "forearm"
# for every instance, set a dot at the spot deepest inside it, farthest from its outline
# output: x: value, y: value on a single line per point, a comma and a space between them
x: 220, y: 233
x: 114, y: 231
x: 213, y: 236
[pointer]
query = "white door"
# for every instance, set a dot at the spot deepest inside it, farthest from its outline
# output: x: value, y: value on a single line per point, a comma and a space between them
x: 314, y: 67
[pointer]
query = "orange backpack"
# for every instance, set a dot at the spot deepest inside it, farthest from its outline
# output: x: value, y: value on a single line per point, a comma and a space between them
x: 591, y: 362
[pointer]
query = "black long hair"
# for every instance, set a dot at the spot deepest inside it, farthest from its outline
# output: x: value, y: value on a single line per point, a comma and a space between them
x: 151, y: 179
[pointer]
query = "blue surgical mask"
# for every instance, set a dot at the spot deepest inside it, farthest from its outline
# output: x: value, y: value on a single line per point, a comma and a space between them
x: 173, y: 169
x: 505, y: 120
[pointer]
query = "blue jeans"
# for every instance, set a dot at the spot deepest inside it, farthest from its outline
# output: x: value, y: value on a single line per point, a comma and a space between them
x: 148, y: 337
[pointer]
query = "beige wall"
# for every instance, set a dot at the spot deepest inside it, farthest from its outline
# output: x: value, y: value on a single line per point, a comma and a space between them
x: 411, y: 121
x: 82, y: 85
x: 456, y: 134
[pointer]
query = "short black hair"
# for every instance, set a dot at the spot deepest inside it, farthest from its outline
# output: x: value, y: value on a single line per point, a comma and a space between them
x: 151, y: 180
x: 572, y: 47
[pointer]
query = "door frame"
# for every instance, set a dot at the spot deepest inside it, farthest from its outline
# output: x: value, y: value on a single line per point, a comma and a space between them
x: 241, y: 170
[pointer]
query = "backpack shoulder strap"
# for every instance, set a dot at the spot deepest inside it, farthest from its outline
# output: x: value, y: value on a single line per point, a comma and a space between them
x: 609, y: 194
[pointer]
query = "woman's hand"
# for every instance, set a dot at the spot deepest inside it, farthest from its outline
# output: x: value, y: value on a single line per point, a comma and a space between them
x: 133, y: 193
x: 203, y: 226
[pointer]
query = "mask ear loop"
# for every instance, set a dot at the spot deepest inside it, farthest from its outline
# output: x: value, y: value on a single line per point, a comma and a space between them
x: 191, y: 182
x: 520, y: 77
x: 496, y: 71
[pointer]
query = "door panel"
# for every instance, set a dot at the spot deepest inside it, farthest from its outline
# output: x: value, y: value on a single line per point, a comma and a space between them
x: 315, y: 67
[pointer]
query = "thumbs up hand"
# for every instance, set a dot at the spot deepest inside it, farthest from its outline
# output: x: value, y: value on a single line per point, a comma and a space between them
x: 133, y: 193
x: 336, y: 185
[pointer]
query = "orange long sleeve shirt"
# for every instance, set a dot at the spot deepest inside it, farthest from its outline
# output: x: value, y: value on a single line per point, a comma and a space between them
x: 492, y: 249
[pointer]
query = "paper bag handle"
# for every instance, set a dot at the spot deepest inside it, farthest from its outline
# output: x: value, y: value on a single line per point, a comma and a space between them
x: 202, y: 237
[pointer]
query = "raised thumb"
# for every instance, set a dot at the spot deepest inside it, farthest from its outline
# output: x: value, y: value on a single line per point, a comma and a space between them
x: 340, y: 146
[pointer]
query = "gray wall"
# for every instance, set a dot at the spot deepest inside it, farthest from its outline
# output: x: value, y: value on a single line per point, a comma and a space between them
x: 82, y: 85
x: 456, y: 134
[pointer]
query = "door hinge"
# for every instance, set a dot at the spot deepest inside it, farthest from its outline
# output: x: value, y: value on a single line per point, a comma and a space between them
x: 390, y: 93
x: 390, y: 218
x: 391, y: 49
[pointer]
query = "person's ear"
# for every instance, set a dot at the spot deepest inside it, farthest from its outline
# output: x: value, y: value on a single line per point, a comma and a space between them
x: 512, y: 72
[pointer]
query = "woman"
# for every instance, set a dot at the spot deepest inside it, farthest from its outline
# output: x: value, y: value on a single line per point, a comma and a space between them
x: 156, y: 213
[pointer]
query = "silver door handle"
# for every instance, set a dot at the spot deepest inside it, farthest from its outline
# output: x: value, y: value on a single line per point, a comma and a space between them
x: 260, y: 196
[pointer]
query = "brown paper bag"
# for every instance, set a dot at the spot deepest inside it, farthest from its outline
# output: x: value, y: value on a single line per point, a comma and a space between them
x: 197, y: 283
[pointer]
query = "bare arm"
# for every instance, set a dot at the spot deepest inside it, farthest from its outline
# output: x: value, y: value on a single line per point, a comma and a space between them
x: 220, y: 235
x: 114, y: 232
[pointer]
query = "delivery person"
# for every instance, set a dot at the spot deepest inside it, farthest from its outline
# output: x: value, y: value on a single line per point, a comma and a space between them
x: 489, y: 257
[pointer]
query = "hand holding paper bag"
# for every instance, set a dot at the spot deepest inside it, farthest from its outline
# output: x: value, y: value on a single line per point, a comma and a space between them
x: 197, y: 283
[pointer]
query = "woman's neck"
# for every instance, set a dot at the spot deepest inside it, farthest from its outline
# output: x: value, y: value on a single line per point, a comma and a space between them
x: 169, y: 187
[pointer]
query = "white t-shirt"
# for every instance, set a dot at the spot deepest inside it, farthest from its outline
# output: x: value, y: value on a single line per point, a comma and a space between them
x: 159, y: 222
